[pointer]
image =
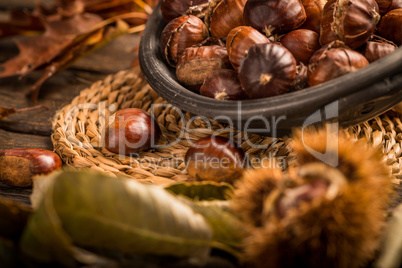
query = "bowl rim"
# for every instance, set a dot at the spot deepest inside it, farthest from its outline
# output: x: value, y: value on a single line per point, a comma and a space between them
x: 159, y: 76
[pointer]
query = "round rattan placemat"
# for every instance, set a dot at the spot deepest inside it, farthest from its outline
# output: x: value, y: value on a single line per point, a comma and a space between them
x: 78, y: 130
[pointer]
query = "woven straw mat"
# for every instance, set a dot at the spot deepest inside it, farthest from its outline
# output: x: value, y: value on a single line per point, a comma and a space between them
x: 79, y: 127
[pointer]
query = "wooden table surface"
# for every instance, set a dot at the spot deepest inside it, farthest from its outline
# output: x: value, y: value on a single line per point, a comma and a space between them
x: 33, y: 129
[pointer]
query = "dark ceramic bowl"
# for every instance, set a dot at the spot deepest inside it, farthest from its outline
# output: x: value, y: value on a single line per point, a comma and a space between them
x: 351, y: 99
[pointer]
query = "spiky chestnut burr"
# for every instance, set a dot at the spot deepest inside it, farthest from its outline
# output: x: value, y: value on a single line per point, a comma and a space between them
x: 329, y: 217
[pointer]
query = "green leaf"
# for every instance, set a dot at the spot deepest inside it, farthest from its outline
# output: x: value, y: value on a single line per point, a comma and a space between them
x: 391, y: 250
x: 204, y: 190
x: 92, y: 210
x: 228, y: 229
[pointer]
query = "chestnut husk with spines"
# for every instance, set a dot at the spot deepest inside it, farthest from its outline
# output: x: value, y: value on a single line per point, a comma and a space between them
x: 171, y: 9
x: 352, y: 22
x: 302, y: 43
x: 274, y: 16
x: 239, y: 41
x: 315, y: 215
x: 196, y: 63
x: 226, y: 15
x: 179, y: 34
x: 378, y: 47
x: 313, y: 10
x: 390, y: 26
x: 267, y: 70
x: 223, y: 85
x: 332, y: 61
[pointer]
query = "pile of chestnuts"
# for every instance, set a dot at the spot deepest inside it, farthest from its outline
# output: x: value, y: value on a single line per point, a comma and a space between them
x: 249, y: 49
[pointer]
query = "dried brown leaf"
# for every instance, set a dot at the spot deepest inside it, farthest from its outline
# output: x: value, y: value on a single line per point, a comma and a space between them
x: 41, y: 50
x: 4, y: 112
x: 20, y: 23
x: 79, y: 47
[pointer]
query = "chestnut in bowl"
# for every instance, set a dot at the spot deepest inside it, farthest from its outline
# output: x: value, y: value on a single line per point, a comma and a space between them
x: 358, y: 96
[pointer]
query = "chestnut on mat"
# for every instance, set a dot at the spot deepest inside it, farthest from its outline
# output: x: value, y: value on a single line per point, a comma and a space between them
x: 131, y: 130
x: 18, y: 166
x: 215, y: 159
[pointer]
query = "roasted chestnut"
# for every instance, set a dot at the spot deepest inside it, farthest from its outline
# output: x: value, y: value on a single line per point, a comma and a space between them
x: 396, y: 4
x: 179, y: 34
x: 196, y: 63
x: 239, y: 40
x: 390, y: 26
x: 171, y: 9
x: 215, y: 159
x: 131, y: 130
x: 223, y: 85
x: 388, y: 5
x: 313, y: 10
x: 352, y: 22
x: 18, y: 166
x: 301, y: 79
x: 378, y: 47
x: 383, y: 6
x: 302, y: 43
x: 225, y: 15
x: 274, y: 17
x: 267, y: 70
x: 331, y: 61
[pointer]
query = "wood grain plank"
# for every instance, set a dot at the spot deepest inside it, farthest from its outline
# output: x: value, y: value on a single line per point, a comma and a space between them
x: 10, y: 140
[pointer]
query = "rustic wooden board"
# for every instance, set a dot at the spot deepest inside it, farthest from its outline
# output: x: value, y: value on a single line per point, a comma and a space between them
x: 33, y: 129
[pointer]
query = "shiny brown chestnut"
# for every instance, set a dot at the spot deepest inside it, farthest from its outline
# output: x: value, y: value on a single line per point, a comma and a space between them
x: 267, y: 70
x: 131, y: 130
x: 387, y: 5
x: 239, y: 41
x: 331, y: 62
x: 378, y: 47
x: 274, y: 17
x: 215, y: 159
x: 383, y: 6
x: 313, y: 10
x: 225, y: 15
x: 179, y: 34
x: 352, y: 22
x: 396, y: 4
x: 171, y: 9
x: 223, y: 85
x: 302, y: 43
x: 390, y: 26
x: 196, y: 63
x: 18, y: 166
